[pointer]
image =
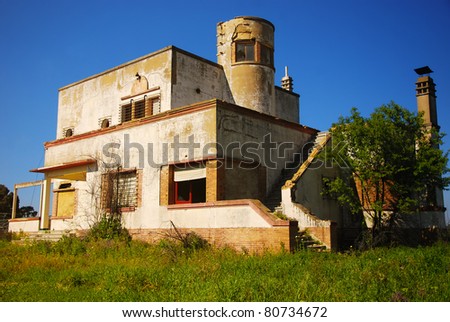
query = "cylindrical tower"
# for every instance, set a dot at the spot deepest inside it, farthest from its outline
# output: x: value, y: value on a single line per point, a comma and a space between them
x: 245, y: 47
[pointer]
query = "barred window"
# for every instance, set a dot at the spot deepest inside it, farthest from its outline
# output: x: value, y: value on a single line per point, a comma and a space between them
x: 119, y: 190
x: 156, y: 105
x: 137, y: 109
x: 126, y: 112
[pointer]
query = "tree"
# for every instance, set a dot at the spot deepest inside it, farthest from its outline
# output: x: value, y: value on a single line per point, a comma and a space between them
x: 392, y: 164
x: 26, y: 212
x: 6, y: 199
x: 110, y: 197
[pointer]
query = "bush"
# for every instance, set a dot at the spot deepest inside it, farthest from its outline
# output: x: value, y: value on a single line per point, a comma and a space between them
x: 178, y: 245
x: 194, y: 241
x: 109, y: 227
x: 70, y: 245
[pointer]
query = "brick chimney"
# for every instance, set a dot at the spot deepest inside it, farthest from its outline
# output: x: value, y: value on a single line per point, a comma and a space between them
x: 426, y: 97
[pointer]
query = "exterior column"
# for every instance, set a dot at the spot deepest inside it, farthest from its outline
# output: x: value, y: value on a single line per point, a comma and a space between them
x: 214, y: 180
x: 45, y: 203
x: 166, y: 193
x: 14, y: 205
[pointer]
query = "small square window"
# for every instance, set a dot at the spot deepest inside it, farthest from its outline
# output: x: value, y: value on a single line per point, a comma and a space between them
x: 68, y: 132
x: 245, y: 51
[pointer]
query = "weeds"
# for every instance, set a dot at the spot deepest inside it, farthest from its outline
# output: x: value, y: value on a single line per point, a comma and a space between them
x: 114, y: 270
x: 109, y: 227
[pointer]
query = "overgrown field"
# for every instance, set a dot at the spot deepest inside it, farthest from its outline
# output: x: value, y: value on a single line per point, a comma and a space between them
x: 72, y: 270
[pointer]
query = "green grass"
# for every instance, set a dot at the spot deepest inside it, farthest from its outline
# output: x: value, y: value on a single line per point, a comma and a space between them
x: 71, y: 270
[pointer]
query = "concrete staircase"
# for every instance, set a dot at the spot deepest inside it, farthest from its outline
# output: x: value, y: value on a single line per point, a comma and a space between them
x: 44, y: 235
x: 305, y: 242
x: 273, y: 198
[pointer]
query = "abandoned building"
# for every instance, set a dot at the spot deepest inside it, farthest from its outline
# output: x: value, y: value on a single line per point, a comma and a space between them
x: 173, y: 139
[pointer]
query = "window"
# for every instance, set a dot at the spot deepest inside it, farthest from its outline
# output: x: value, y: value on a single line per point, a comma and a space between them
x: 191, y: 191
x: 137, y: 109
x: 253, y: 51
x: 68, y: 132
x: 266, y: 55
x: 64, y: 201
x: 120, y: 190
x: 104, y: 122
x: 126, y: 112
x: 155, y: 106
x: 190, y: 183
x: 245, y: 51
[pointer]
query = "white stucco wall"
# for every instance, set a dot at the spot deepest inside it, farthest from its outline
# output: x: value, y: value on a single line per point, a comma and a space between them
x: 196, y: 79
x: 139, y: 142
x: 24, y: 225
x: 83, y: 103
x: 236, y: 216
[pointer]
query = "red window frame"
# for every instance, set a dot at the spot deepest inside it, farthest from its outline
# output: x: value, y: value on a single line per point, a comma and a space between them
x: 177, y: 190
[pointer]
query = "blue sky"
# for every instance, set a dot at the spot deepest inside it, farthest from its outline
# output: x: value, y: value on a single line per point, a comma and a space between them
x: 341, y: 54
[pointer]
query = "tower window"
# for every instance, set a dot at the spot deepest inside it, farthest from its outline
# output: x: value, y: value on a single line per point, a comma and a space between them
x: 252, y: 51
x: 266, y: 55
x: 245, y: 51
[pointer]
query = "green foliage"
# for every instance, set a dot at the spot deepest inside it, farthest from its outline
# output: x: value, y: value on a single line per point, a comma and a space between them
x: 6, y: 199
x: 109, y: 270
x: 26, y: 212
x: 391, y: 161
x: 178, y: 245
x: 109, y: 227
x: 281, y: 215
x: 70, y: 245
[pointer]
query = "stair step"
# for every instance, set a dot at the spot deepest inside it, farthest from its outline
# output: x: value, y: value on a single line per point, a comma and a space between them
x: 317, y: 248
x: 52, y: 236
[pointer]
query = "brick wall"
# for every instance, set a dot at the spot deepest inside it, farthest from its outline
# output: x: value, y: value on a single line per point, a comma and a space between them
x: 214, y: 180
x: 166, y: 185
x: 253, y: 240
x: 327, y: 235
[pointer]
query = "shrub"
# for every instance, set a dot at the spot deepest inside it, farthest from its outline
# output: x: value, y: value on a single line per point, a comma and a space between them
x: 178, y: 244
x: 109, y: 227
x: 70, y: 245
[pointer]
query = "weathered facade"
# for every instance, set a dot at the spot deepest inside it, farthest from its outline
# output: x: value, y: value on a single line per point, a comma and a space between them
x: 215, y: 148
